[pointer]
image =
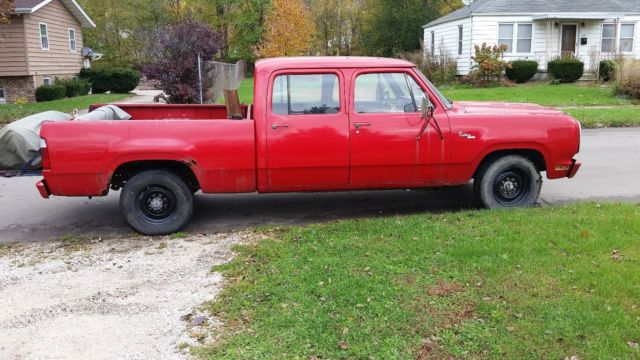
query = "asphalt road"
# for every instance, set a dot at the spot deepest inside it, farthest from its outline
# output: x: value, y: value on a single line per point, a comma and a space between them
x: 610, y: 172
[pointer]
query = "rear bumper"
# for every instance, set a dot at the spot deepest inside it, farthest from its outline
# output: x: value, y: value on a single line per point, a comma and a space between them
x: 42, y: 189
x: 574, y: 169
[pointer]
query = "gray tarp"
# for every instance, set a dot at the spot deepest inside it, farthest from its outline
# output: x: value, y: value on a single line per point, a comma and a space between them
x: 107, y: 112
x: 20, y: 140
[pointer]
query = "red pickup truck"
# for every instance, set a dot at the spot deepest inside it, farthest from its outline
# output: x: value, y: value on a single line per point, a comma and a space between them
x: 318, y: 124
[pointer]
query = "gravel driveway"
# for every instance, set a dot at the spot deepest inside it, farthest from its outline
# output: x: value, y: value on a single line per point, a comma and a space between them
x: 123, y: 298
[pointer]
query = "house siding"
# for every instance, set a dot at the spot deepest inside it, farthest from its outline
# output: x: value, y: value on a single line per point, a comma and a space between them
x: 446, y: 42
x: 58, y: 60
x: 13, y: 57
x: 545, y: 44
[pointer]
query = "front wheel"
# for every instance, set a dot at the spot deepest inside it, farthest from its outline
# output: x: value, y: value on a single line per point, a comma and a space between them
x: 156, y: 202
x: 508, y: 182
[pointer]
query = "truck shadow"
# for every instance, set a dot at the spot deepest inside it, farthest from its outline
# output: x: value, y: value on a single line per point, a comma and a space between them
x: 216, y: 213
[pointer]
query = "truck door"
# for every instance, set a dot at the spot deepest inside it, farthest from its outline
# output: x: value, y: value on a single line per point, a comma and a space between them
x: 308, y: 132
x: 388, y: 148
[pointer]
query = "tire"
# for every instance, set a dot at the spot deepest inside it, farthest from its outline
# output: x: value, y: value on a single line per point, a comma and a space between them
x: 156, y: 202
x: 511, y: 181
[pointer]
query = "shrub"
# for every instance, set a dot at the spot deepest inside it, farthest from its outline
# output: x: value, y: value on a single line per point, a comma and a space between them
x: 607, y: 70
x: 116, y: 80
x: 123, y: 80
x: 50, y: 92
x: 566, y: 70
x: 522, y: 71
x: 86, y: 74
x: 489, y: 65
x: 75, y: 87
x: 628, y: 78
x: 440, y: 70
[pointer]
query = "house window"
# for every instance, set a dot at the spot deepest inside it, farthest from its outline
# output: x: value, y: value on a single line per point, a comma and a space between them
x: 433, y: 43
x: 46, y: 81
x: 72, y: 40
x: 521, y: 34
x: 305, y: 94
x: 2, y: 93
x: 505, y: 36
x: 608, y: 38
x: 627, y: 32
x: 524, y: 36
x: 460, y: 40
x: 44, y: 36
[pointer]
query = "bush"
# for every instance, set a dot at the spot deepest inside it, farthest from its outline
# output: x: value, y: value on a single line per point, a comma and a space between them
x: 116, y: 80
x: 75, y: 87
x: 489, y: 65
x: 50, y: 92
x: 566, y: 70
x: 86, y: 74
x: 522, y: 71
x: 607, y: 70
x: 440, y: 70
x: 628, y: 78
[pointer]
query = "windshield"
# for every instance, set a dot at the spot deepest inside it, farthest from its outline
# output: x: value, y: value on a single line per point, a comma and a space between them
x: 435, y: 90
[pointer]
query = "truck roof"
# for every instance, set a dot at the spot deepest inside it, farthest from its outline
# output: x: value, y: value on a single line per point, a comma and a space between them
x: 315, y: 62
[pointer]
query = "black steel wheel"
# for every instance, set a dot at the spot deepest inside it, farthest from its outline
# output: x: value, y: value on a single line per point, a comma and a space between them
x: 508, y: 182
x: 156, y: 202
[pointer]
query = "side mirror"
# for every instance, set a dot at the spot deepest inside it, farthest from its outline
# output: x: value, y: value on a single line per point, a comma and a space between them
x: 426, y: 109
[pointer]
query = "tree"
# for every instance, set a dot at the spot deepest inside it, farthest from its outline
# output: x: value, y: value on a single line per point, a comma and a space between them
x: 395, y: 26
x: 176, y: 61
x: 7, y: 7
x: 338, y: 24
x: 288, y: 30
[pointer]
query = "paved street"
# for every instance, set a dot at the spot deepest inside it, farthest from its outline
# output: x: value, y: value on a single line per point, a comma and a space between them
x: 610, y: 171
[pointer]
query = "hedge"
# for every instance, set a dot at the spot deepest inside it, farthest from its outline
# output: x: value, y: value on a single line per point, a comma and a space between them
x: 75, y: 87
x: 50, y: 92
x: 116, y: 80
x: 566, y: 70
x: 522, y: 71
x: 607, y: 70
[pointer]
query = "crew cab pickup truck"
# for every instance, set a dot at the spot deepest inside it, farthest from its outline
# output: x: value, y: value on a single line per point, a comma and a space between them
x: 317, y: 124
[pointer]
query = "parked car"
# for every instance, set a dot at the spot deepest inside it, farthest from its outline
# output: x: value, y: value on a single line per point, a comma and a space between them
x: 318, y: 124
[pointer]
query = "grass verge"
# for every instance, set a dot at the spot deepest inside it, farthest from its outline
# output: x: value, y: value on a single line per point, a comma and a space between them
x: 534, y: 283
x: 12, y: 112
x: 622, y: 116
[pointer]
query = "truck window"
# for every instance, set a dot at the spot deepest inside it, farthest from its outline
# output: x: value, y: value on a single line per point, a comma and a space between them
x: 306, y: 94
x: 383, y: 93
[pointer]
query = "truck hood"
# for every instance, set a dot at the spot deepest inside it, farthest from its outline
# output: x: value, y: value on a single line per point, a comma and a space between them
x: 500, y: 108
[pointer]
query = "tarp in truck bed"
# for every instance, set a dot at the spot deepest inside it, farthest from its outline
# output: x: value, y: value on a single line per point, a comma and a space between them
x: 20, y: 141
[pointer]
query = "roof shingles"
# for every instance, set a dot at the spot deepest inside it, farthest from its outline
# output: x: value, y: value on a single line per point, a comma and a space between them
x: 540, y: 6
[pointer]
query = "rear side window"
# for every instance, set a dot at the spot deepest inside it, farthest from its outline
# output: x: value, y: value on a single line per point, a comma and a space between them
x: 306, y: 94
x: 383, y: 93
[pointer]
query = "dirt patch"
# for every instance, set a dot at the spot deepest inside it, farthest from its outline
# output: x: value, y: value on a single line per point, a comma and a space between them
x: 443, y: 288
x: 430, y: 350
x: 126, y: 298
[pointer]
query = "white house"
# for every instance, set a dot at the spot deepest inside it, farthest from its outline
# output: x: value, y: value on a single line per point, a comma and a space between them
x: 541, y: 30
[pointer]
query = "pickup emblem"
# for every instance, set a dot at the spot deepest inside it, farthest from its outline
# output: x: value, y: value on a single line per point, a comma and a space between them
x: 465, y: 135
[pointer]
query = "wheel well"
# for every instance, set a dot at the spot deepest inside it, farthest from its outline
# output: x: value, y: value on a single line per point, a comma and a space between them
x: 126, y: 171
x: 533, y: 155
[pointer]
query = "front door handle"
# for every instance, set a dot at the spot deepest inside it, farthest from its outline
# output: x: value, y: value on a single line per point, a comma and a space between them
x: 276, y: 126
x: 358, y: 125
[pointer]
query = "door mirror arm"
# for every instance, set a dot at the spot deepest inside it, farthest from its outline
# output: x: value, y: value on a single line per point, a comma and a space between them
x: 426, y: 114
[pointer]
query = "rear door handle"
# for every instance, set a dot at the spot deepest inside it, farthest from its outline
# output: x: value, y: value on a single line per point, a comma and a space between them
x: 276, y: 126
x: 358, y: 125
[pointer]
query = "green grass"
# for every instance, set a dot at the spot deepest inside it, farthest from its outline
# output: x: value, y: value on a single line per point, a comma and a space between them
x: 622, y: 116
x: 540, y: 93
x: 523, y: 284
x: 12, y: 112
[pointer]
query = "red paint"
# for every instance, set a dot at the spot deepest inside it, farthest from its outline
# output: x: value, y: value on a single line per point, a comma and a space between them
x: 315, y: 152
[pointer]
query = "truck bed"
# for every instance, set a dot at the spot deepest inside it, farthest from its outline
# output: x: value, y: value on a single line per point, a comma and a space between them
x: 85, y: 154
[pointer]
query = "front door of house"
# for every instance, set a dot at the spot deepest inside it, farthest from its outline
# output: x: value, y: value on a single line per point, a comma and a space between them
x: 569, y: 35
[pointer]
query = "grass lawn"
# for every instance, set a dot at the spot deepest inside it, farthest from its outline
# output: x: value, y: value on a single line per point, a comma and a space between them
x: 621, y: 116
x: 540, y: 93
x: 534, y: 283
x: 11, y: 112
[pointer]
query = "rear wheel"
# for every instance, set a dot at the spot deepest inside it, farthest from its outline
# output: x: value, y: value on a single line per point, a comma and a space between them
x: 156, y: 202
x: 508, y: 182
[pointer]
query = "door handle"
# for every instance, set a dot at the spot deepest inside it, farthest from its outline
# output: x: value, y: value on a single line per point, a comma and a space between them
x: 276, y: 126
x: 465, y: 135
x: 358, y: 125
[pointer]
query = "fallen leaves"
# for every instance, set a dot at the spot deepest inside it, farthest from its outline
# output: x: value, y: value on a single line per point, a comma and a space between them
x: 634, y: 345
x: 616, y: 255
x: 443, y: 288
